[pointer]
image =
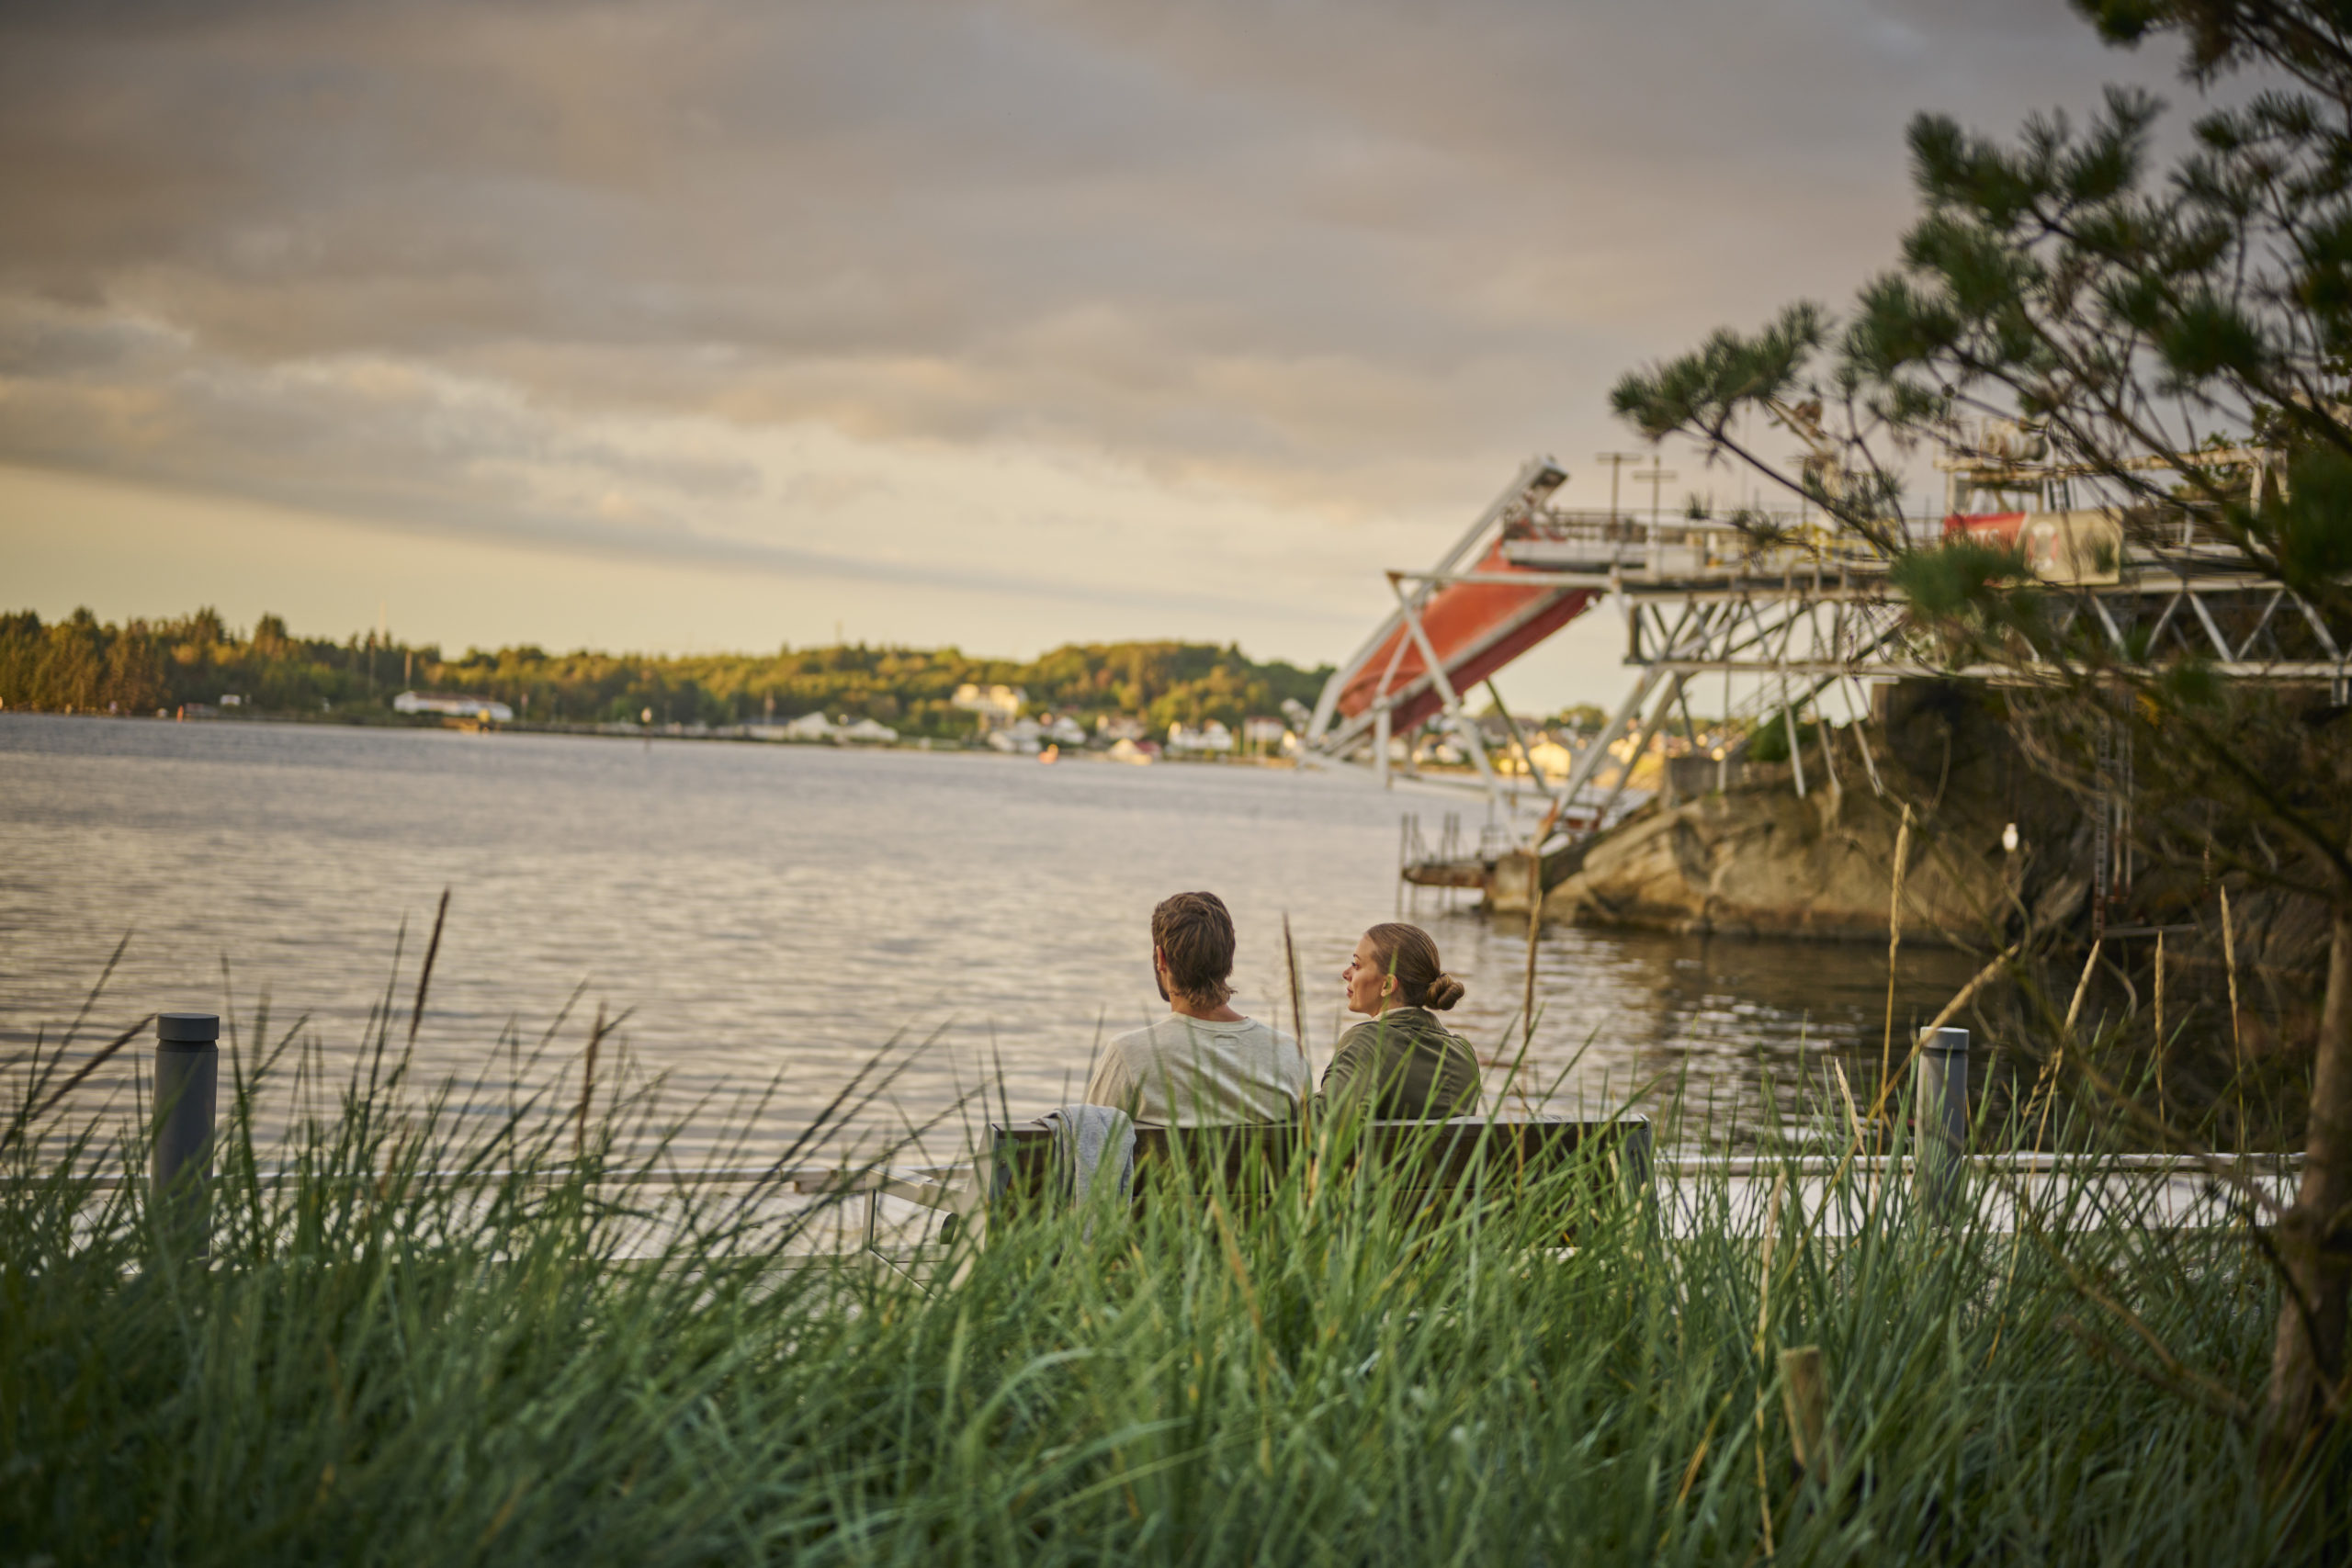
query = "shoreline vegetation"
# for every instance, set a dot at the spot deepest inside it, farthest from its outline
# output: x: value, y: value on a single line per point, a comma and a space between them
x: 80, y: 664
x: 446, y: 1324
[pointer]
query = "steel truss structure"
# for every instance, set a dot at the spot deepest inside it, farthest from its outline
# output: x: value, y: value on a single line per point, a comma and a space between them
x: 1793, y: 617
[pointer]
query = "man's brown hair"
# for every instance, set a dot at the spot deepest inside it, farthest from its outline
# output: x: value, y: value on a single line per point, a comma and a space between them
x: 1194, y: 931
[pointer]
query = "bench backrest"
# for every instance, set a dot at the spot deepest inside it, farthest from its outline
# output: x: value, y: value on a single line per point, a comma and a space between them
x: 1492, y: 1157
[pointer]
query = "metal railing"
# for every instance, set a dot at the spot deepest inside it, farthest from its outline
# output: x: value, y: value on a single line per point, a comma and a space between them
x: 180, y: 1169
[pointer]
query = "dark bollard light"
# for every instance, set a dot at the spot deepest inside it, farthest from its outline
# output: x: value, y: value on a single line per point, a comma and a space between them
x: 1942, y: 1107
x: 188, y: 1086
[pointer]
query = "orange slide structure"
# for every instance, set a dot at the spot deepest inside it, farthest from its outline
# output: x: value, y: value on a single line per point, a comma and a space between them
x: 1473, y: 627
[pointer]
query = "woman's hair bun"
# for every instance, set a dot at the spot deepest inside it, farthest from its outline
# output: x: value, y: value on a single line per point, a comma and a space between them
x: 1444, y: 991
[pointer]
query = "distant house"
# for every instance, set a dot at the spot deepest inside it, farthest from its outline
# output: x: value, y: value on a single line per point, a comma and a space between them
x: 1022, y: 737
x: 1210, y: 737
x: 995, y: 704
x: 1263, y: 731
x: 1121, y: 727
x: 867, y: 729
x: 1123, y: 749
x: 454, y: 706
x: 808, y: 726
x: 1062, y: 731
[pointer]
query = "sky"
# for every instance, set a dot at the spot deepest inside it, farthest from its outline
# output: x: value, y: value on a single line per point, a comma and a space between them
x: 723, y: 324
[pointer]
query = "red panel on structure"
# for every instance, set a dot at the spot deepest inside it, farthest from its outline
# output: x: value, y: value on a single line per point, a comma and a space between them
x: 2000, y: 526
x: 1466, y: 625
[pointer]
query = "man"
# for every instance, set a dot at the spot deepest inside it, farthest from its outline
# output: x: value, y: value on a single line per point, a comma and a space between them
x: 1204, y: 1062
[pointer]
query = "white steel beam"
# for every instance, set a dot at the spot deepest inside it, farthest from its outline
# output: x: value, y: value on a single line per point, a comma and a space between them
x: 1411, y: 613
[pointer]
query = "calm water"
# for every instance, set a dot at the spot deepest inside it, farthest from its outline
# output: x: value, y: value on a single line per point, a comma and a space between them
x: 766, y: 910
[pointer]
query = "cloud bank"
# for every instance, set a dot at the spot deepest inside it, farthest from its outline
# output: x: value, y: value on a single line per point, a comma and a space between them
x: 1182, y: 318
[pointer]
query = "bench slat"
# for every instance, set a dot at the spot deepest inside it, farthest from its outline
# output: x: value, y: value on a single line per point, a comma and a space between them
x: 1435, y: 1160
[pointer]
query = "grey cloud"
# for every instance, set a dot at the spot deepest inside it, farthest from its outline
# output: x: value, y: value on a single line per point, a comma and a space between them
x: 1358, y: 258
x: 126, y: 398
x: 376, y: 439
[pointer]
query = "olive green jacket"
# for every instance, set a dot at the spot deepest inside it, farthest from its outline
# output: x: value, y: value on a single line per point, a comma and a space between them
x: 1405, y: 1066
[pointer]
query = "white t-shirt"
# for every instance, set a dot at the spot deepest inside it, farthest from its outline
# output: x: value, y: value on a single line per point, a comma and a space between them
x: 1187, y: 1072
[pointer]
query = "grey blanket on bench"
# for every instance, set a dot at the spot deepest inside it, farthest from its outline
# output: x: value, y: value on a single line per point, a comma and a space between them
x: 1091, y: 1140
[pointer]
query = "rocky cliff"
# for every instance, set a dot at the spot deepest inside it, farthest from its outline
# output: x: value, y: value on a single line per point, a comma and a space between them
x: 1759, y: 861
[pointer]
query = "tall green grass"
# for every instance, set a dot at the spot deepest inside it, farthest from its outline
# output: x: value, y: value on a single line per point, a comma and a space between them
x: 440, y: 1338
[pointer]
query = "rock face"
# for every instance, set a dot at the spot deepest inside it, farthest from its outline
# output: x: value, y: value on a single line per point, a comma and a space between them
x: 1762, y: 863
x: 1759, y: 861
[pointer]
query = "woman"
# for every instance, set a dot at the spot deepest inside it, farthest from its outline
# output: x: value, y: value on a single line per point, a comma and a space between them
x: 1403, y: 1064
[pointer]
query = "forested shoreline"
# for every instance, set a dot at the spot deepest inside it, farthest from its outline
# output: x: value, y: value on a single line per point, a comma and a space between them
x: 80, y: 664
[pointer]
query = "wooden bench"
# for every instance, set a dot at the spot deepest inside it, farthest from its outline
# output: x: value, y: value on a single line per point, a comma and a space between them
x: 1427, y: 1168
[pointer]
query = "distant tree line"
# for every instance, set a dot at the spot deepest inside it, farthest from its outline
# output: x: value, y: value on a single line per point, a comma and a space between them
x: 80, y: 664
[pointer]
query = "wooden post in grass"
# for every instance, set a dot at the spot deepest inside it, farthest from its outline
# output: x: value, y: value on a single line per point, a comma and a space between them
x: 1804, y: 1395
x: 1942, y: 1109
x: 187, y: 1087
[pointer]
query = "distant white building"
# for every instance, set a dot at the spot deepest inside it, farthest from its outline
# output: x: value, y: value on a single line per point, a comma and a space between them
x: 1022, y: 737
x: 456, y: 708
x: 995, y: 704
x: 1263, y: 731
x: 867, y: 729
x: 1210, y: 737
x: 1062, y: 731
x: 807, y: 726
x: 1121, y: 727
x: 1126, y: 750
